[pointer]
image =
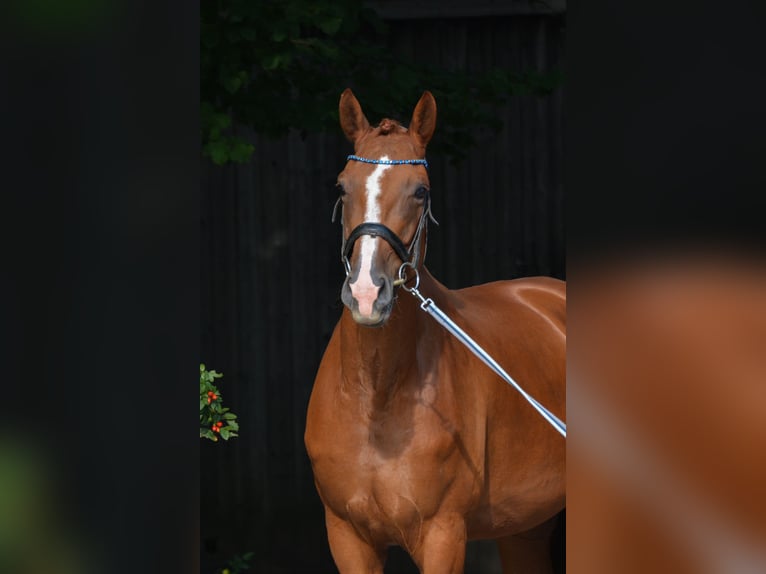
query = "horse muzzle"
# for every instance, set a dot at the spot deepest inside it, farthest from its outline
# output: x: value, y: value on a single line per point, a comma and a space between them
x: 370, y: 301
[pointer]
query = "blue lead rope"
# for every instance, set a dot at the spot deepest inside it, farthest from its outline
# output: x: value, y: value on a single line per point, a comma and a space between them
x: 431, y: 308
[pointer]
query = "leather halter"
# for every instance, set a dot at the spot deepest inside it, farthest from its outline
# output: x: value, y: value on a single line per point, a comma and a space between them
x: 374, y: 229
x: 406, y: 254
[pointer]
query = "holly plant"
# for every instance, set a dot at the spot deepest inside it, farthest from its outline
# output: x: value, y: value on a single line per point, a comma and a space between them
x: 215, y: 420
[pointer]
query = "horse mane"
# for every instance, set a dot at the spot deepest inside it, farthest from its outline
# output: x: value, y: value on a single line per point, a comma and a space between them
x: 387, y: 125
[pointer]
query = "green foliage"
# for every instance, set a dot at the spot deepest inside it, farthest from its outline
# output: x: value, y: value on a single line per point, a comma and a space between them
x: 34, y: 535
x: 276, y: 65
x: 215, y: 420
x: 239, y: 563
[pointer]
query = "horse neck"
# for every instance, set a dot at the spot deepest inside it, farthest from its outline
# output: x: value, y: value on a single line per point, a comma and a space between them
x: 379, y: 359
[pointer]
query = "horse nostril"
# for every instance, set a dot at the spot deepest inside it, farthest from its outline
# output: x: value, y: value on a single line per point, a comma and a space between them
x: 386, y: 286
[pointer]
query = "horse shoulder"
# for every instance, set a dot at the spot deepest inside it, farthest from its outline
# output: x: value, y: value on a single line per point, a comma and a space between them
x: 504, y: 301
x: 522, y: 324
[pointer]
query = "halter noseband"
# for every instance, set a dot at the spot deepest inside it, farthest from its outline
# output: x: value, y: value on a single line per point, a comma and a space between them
x: 407, y: 255
x: 376, y: 230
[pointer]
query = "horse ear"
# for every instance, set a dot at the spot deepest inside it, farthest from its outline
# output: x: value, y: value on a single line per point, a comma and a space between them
x: 352, y: 119
x: 423, y: 121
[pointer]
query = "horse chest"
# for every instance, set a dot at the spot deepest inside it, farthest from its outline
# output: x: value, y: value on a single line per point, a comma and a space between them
x: 387, y: 478
x: 385, y: 505
x: 389, y: 499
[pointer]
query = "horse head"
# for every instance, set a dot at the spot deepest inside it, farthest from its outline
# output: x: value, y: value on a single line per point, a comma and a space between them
x: 385, y: 203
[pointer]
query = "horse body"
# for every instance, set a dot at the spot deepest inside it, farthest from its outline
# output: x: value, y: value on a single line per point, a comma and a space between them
x: 415, y: 442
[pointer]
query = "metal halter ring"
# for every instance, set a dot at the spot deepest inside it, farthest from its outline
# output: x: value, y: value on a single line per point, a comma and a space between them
x: 403, y: 279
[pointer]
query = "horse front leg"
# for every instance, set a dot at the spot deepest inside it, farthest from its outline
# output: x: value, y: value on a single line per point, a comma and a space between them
x: 352, y: 554
x: 442, y: 546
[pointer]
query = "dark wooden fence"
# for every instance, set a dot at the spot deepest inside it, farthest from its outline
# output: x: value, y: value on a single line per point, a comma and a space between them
x: 271, y: 279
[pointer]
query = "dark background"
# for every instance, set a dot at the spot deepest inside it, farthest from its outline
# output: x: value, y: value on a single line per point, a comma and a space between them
x: 101, y: 193
x: 271, y: 274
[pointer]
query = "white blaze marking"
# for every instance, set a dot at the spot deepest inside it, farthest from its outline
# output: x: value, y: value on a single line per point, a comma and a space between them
x: 364, y: 289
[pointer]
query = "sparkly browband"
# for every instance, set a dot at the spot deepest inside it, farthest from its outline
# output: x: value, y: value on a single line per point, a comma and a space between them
x: 389, y: 161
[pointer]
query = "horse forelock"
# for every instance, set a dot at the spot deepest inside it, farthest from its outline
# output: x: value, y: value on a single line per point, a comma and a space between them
x: 389, y: 138
x: 387, y: 126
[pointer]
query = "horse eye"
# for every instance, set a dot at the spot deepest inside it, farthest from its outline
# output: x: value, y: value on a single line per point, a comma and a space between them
x: 421, y: 192
x: 340, y: 188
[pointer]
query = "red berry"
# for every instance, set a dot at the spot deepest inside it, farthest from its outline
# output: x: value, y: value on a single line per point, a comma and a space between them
x: 210, y: 393
x: 214, y: 396
x: 215, y: 428
x: 219, y: 424
x: 209, y: 400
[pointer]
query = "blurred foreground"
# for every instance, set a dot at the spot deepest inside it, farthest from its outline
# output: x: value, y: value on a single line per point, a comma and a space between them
x: 667, y: 415
x: 36, y: 532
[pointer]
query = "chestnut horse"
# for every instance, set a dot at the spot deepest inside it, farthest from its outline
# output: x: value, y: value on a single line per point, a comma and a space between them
x: 412, y: 440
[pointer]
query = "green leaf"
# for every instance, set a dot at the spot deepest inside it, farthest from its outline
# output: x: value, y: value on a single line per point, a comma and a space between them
x: 232, y: 84
x: 220, y: 121
x: 208, y: 434
x: 217, y: 151
x: 330, y: 24
x: 241, y: 152
x: 275, y: 61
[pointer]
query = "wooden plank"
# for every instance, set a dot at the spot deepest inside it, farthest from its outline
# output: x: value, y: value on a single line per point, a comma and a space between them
x: 408, y: 10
